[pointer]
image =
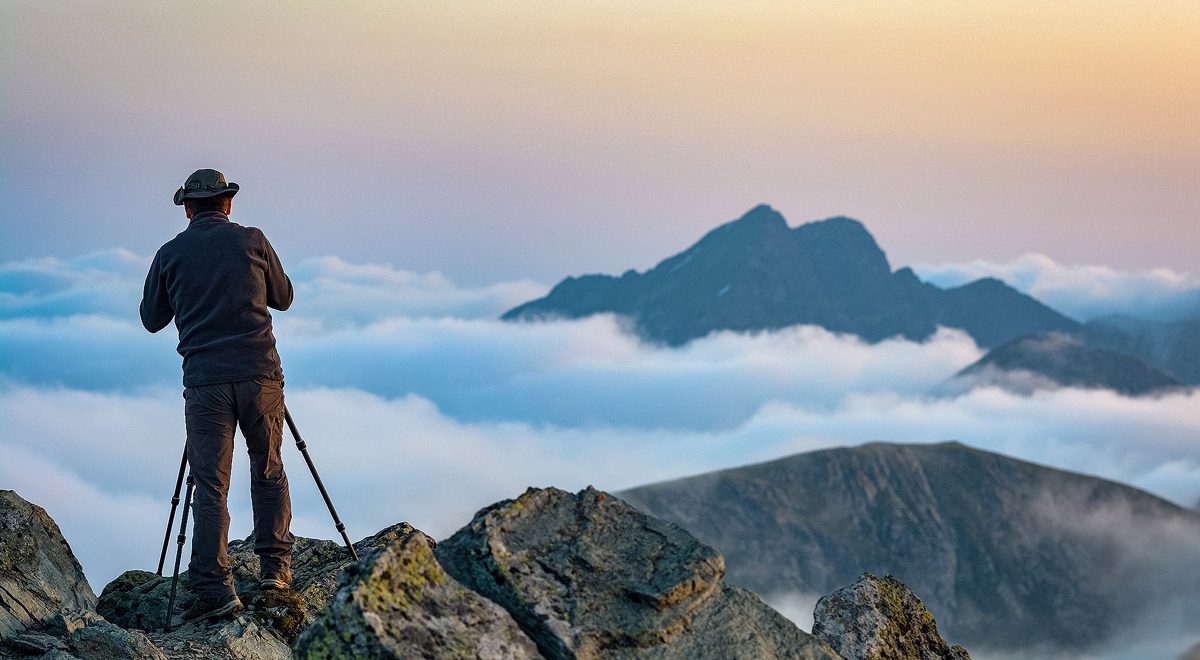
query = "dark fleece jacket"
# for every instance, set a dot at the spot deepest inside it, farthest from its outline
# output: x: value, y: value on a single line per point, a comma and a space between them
x: 217, y: 278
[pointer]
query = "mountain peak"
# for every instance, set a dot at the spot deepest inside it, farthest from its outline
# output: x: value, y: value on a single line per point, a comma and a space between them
x: 839, y: 228
x: 761, y: 216
x: 756, y: 273
x: 843, y: 247
x: 840, y: 222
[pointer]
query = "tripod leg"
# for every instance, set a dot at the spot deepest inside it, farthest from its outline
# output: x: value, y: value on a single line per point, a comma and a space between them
x: 341, y: 528
x: 187, y: 505
x: 171, y: 520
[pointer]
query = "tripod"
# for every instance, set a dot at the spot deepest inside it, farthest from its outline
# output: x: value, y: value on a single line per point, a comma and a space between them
x: 187, y: 503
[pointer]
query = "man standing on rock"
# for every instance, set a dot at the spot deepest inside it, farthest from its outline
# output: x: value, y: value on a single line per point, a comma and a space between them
x: 217, y: 279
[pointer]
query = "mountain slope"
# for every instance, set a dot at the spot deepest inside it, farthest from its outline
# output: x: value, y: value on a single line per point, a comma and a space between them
x: 756, y: 273
x: 1054, y: 359
x: 1014, y: 554
x: 1171, y: 346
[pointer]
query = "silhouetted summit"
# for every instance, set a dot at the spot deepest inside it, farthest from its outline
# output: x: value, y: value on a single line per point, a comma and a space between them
x: 756, y: 273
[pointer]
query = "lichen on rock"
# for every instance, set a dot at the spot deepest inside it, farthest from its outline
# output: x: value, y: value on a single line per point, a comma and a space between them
x: 400, y: 603
x: 881, y: 619
x: 39, y: 574
x: 550, y: 574
x: 588, y: 576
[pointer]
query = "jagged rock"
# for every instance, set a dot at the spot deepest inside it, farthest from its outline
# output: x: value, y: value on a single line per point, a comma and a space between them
x: 38, y: 572
x: 36, y: 644
x: 401, y: 603
x: 1191, y: 654
x: 548, y: 575
x: 242, y: 637
x: 316, y: 565
x: 81, y: 634
x: 138, y: 599
x: 876, y: 619
x: 89, y: 636
x: 589, y: 576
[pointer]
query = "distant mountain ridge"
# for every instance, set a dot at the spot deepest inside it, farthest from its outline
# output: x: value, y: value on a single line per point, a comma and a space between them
x: 1011, y: 554
x: 1171, y: 346
x: 1055, y: 359
x: 756, y: 273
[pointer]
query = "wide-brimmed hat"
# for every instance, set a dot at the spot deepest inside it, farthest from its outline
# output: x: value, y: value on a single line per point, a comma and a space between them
x: 205, y: 183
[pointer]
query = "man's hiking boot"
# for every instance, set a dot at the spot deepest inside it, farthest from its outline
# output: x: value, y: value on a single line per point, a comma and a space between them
x: 273, y: 584
x: 210, y: 608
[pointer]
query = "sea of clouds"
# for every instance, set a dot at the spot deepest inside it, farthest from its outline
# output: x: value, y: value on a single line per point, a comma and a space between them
x: 419, y: 405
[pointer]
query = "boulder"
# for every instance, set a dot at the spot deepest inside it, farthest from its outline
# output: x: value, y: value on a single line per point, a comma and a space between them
x: 400, y: 603
x: 272, y: 621
x: 138, y: 599
x: 589, y: 576
x: 876, y: 619
x: 316, y: 566
x: 242, y: 637
x: 89, y: 635
x: 80, y: 634
x: 34, y: 644
x: 39, y: 574
x: 548, y: 575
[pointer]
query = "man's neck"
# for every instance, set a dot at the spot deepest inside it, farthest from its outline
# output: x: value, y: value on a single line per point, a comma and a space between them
x: 208, y: 216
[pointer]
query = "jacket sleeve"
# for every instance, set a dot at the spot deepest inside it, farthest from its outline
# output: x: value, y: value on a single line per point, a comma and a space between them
x: 279, y: 285
x: 156, y: 307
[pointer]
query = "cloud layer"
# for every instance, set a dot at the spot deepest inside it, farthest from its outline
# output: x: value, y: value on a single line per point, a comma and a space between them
x: 105, y: 461
x: 328, y: 289
x: 418, y: 405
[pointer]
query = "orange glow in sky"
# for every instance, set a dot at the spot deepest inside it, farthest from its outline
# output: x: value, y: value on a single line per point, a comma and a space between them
x: 953, y: 129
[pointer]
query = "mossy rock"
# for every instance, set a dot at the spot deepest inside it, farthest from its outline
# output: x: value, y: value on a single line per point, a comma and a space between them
x: 400, y: 603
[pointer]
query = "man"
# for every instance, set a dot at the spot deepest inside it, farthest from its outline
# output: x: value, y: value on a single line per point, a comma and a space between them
x: 217, y: 279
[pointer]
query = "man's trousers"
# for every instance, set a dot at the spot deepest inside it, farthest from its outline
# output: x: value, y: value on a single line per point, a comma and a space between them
x: 211, y: 413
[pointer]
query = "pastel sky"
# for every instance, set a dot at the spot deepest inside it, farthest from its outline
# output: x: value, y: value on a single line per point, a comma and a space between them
x: 422, y: 167
x: 493, y: 140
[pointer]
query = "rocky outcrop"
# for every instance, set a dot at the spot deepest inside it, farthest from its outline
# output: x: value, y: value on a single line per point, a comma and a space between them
x: 39, y: 574
x: 549, y: 575
x: 247, y: 636
x: 138, y: 600
x: 85, y: 635
x: 876, y: 619
x: 589, y: 576
x: 400, y: 603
